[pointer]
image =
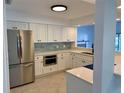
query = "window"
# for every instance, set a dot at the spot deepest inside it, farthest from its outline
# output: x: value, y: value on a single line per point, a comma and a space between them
x: 118, y: 42
x: 85, y: 36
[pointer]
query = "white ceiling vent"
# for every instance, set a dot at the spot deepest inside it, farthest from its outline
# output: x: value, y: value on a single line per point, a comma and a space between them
x: 8, y: 1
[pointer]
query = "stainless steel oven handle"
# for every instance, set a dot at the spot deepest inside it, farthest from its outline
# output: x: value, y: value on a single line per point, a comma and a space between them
x: 51, y: 58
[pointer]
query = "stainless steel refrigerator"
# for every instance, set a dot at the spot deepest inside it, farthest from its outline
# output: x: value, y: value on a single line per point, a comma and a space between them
x: 21, y: 57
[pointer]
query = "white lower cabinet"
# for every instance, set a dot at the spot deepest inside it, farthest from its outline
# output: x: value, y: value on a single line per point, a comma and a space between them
x: 38, y: 68
x: 79, y: 60
x: 68, y: 60
x: 61, y: 62
x: 38, y: 65
x: 48, y: 69
x: 87, y: 60
x: 64, y: 61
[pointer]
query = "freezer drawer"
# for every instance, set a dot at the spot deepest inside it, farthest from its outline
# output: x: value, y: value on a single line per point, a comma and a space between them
x: 21, y: 74
x: 15, y: 75
x: 28, y: 73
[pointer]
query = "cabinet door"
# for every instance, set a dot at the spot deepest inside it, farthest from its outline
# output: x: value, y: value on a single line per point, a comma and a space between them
x: 38, y: 68
x: 65, y: 34
x: 68, y: 60
x: 46, y: 69
x: 57, y: 33
x: 50, y: 33
x: 42, y: 28
x: 17, y: 25
x: 54, y: 33
x: 77, y: 62
x: 68, y: 34
x: 53, y: 68
x: 40, y: 32
x: 71, y: 33
x: 61, y: 62
x: 87, y: 60
x: 34, y: 28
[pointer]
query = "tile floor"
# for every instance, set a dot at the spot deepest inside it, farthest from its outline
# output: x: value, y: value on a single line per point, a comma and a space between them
x: 53, y: 83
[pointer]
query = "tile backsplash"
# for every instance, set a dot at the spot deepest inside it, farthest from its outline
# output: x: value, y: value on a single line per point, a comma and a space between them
x: 52, y: 46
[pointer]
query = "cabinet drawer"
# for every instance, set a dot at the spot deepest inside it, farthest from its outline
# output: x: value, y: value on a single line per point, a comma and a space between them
x: 39, y: 58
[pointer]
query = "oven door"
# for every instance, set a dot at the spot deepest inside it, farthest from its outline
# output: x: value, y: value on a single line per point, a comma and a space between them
x: 50, y: 60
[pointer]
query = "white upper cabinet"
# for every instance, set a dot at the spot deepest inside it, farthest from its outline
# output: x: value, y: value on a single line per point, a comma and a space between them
x: 50, y: 33
x: 44, y: 32
x: 40, y: 32
x: 54, y: 33
x: 68, y: 34
x: 57, y: 33
x: 71, y: 33
x: 17, y: 25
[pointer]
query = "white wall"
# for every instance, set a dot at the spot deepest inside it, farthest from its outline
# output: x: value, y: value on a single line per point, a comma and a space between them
x: 89, y: 19
x: 6, y: 87
x: 83, y: 20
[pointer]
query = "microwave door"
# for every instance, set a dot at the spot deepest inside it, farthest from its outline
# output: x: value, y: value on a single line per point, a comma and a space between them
x: 13, y: 47
x: 26, y: 46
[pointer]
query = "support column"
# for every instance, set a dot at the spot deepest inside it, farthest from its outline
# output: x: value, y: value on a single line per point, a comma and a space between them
x: 104, y: 45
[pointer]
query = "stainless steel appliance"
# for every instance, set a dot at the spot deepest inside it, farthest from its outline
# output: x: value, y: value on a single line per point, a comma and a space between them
x: 49, y: 60
x: 21, y: 57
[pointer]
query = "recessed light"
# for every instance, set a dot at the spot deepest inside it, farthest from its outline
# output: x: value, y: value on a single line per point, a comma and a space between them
x: 78, y: 25
x: 93, y: 23
x: 117, y: 19
x: 119, y: 7
x: 59, y: 8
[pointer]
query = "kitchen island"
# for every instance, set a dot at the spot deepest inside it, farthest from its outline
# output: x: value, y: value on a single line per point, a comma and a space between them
x: 80, y: 80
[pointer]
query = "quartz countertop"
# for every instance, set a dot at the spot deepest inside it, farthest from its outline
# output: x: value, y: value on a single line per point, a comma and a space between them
x: 82, y: 73
x: 62, y: 51
x: 87, y: 74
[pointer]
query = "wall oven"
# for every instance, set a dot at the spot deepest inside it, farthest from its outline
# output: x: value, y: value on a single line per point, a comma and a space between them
x: 49, y: 60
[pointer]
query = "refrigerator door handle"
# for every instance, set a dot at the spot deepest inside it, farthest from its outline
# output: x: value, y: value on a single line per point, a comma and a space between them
x: 27, y: 65
x: 20, y: 46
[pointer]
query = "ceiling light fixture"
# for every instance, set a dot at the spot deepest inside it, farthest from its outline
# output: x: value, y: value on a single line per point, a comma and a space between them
x: 59, y: 8
x: 118, y: 19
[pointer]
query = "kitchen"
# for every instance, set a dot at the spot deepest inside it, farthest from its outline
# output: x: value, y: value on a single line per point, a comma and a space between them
x: 55, y: 43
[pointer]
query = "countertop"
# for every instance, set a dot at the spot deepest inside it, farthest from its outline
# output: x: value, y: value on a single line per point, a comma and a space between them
x: 63, y: 51
x: 82, y: 73
x: 87, y: 74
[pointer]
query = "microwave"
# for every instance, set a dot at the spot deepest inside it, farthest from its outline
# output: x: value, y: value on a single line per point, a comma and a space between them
x: 49, y: 60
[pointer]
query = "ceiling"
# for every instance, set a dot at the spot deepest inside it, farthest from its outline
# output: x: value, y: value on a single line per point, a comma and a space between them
x: 76, y: 8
